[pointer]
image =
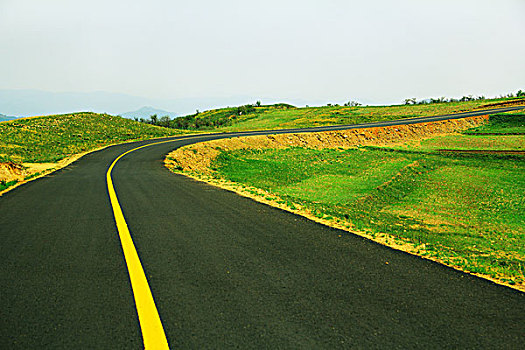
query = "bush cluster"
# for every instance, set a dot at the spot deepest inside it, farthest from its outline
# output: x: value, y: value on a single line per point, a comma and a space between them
x: 210, y: 119
x: 413, y: 101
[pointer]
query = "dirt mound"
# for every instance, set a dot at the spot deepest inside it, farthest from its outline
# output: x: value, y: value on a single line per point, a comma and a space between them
x: 10, y: 171
x: 198, y: 157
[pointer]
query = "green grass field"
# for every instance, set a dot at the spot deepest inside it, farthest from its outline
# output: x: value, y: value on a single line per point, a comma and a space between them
x: 503, y: 124
x: 465, y: 209
x: 285, y: 116
x: 52, y: 138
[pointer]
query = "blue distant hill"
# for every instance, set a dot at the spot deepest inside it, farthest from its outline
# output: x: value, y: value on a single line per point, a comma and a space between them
x: 4, y: 117
x: 28, y: 103
x: 146, y: 112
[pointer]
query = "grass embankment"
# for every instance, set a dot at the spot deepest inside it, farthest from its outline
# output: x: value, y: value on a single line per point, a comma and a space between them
x: 504, y: 132
x: 251, y: 117
x: 501, y: 124
x: 55, y: 139
x: 463, y: 209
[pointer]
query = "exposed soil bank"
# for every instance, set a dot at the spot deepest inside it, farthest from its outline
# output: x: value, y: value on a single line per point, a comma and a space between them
x: 198, y: 157
x: 25, y: 172
x: 10, y: 171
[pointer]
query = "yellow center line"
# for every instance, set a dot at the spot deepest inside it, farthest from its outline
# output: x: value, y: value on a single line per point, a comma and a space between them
x: 151, y: 326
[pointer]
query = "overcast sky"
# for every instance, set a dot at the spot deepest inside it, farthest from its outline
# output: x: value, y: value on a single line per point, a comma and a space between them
x: 375, y: 51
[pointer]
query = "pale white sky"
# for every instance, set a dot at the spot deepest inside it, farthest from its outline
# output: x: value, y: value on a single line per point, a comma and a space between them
x: 378, y: 51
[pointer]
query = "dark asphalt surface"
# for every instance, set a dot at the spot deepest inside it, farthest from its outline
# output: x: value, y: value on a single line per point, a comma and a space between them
x: 225, y: 271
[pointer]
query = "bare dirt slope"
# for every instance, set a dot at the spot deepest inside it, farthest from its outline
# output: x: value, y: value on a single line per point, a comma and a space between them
x: 198, y: 157
x: 10, y: 171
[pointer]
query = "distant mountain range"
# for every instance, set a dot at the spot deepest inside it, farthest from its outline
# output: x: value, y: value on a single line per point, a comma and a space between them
x: 146, y: 112
x: 4, y: 117
x: 27, y: 103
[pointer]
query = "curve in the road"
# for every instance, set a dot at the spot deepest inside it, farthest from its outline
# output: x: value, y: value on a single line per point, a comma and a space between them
x: 226, y: 272
x: 153, y: 333
x: 151, y: 325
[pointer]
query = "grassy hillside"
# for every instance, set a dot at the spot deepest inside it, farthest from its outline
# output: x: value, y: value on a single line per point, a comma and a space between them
x: 52, y: 138
x: 252, y: 117
x: 463, y: 208
x: 502, y: 124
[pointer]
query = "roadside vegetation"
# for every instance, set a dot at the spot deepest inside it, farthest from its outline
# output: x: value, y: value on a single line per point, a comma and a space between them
x: 464, y: 209
x: 278, y: 116
x: 502, y: 124
x: 50, y: 139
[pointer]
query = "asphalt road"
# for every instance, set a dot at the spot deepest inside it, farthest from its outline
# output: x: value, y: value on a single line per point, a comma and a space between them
x: 225, y: 271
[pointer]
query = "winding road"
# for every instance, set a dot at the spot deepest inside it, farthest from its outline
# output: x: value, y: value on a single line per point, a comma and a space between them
x: 224, y: 271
